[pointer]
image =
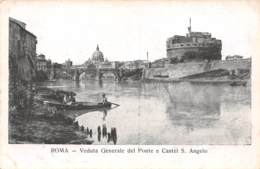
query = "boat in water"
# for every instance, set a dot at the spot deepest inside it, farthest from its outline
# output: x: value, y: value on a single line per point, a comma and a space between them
x: 78, y: 105
x: 51, y: 95
x: 239, y: 83
x: 54, y: 99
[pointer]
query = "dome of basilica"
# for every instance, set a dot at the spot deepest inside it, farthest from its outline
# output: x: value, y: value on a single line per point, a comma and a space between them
x: 97, y: 56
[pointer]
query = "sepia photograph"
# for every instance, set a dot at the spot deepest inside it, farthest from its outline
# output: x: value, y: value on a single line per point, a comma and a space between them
x: 122, y: 73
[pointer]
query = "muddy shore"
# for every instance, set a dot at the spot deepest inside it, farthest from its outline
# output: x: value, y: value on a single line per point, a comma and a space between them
x: 36, y: 125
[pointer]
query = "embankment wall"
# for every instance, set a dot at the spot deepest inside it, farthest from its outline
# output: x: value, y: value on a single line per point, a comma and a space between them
x: 175, y: 71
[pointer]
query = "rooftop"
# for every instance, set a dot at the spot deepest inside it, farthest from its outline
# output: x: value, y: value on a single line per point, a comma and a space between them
x: 21, y: 24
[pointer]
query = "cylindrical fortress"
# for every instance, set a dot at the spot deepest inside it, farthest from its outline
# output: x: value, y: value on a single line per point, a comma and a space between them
x: 195, y: 46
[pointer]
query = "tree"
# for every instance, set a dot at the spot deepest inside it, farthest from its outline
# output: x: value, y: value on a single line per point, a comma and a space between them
x: 41, y: 76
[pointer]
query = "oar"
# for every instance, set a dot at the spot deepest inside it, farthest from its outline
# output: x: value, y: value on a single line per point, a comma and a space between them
x: 115, y: 104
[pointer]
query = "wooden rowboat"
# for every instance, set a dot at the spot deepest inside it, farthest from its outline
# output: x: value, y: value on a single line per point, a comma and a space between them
x: 78, y: 105
x: 238, y: 83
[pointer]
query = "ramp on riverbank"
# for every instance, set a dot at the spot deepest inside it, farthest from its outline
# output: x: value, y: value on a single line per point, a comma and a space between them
x: 219, y: 74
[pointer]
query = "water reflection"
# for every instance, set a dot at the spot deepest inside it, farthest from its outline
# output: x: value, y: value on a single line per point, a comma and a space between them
x: 77, y: 83
x: 195, y: 107
x: 166, y: 113
x: 100, y: 83
x: 100, y: 132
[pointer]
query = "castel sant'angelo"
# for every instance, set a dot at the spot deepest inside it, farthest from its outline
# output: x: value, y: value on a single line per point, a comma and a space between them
x: 195, y: 46
x: 194, y: 54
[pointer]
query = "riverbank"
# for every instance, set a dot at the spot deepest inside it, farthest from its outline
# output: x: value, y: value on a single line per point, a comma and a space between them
x: 197, y: 81
x: 219, y: 76
x: 36, y: 125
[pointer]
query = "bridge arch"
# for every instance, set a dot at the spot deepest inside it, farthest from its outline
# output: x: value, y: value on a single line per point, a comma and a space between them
x: 113, y: 73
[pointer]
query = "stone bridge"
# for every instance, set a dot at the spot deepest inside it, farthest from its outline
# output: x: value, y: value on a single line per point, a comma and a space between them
x: 99, y: 74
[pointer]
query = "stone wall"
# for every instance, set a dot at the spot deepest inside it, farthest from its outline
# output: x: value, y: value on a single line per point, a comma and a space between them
x: 195, y: 53
x: 22, y: 70
x: 175, y: 71
x: 22, y: 52
x: 231, y: 64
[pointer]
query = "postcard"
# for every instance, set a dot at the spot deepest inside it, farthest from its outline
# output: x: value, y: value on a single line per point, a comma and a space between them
x: 129, y: 84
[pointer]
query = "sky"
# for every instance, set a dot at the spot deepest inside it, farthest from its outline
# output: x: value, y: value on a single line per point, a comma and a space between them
x: 126, y: 30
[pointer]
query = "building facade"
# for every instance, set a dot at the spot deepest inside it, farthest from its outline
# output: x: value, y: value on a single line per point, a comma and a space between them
x: 41, y: 63
x: 136, y: 64
x: 22, y: 51
x: 68, y: 63
x: 195, y: 46
x: 49, y: 64
x: 108, y: 65
x: 159, y: 63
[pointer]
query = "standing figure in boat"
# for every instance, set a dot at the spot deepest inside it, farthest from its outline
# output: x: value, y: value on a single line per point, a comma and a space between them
x: 104, y: 98
x: 65, y: 99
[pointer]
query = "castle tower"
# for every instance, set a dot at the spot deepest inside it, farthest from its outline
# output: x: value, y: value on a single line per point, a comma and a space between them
x: 195, y: 46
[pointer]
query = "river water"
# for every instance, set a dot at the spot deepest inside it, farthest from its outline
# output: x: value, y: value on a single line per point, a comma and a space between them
x: 166, y: 113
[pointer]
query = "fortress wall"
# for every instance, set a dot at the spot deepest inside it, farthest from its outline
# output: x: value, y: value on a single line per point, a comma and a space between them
x: 184, y: 69
x: 231, y: 64
x: 175, y: 71
x: 149, y: 73
x: 180, y: 51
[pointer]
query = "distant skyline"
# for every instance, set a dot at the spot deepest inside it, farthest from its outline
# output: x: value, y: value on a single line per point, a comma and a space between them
x: 127, y: 30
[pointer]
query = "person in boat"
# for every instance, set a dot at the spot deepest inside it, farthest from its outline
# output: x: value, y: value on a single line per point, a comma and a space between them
x: 65, y: 99
x: 71, y: 99
x: 104, y: 98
